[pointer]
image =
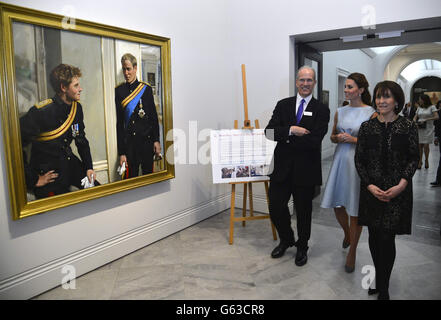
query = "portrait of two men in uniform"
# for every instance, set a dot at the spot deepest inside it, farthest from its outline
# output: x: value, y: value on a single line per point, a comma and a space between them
x: 49, y: 127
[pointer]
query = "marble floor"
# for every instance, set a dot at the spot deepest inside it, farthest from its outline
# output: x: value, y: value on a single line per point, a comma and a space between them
x: 198, y: 263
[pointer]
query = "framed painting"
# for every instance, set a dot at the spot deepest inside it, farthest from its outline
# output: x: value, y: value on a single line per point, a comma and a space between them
x: 33, y: 45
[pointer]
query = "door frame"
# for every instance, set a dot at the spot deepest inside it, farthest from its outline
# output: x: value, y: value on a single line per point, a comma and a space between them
x: 303, y: 51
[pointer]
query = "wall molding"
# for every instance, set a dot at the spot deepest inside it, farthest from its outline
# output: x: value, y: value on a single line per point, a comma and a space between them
x: 40, y: 279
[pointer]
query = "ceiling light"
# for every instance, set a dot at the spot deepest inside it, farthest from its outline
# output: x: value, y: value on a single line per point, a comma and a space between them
x: 353, y: 38
x: 390, y: 34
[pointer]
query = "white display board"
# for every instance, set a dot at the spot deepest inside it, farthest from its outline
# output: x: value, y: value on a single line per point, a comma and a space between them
x: 240, y: 155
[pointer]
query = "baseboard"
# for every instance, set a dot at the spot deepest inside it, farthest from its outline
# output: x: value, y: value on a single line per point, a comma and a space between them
x: 40, y: 279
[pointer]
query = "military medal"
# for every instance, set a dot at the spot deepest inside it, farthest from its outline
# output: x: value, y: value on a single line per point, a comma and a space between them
x: 75, y: 130
x: 141, y: 112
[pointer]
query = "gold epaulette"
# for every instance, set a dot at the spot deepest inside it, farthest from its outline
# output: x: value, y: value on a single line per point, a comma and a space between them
x: 43, y: 103
x: 146, y: 83
x: 121, y: 83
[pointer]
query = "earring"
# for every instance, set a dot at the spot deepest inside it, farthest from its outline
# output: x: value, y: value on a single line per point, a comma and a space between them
x: 396, y: 107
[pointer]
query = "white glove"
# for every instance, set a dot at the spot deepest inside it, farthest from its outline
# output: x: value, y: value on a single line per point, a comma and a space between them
x: 121, y: 169
x: 86, y: 184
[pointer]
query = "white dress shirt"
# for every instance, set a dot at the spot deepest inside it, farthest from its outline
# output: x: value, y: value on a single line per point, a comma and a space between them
x: 298, y: 101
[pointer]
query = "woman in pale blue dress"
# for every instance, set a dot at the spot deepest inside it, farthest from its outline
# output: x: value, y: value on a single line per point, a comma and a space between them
x: 343, y: 185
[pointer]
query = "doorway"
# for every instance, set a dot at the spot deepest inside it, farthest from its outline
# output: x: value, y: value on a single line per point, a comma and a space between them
x: 389, y: 39
x: 308, y: 48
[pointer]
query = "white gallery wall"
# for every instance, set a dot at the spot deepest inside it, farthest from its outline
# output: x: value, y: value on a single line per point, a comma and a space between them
x: 87, y: 235
x: 209, y: 42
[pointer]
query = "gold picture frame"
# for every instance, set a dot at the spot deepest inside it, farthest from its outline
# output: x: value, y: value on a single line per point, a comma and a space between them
x: 107, y: 39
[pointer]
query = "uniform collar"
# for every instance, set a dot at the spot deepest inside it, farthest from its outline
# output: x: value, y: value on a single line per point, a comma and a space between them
x: 133, y: 85
x: 65, y: 108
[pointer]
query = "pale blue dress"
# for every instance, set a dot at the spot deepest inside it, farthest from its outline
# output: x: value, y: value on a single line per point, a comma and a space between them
x: 343, y: 185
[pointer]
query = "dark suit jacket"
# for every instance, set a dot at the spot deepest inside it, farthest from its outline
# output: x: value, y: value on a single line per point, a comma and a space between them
x: 437, y: 124
x: 411, y: 114
x: 299, y: 157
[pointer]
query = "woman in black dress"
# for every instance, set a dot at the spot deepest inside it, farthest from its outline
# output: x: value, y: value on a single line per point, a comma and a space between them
x: 386, y: 159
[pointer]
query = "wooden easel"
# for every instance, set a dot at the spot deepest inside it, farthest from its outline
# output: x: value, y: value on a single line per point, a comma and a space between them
x: 246, y: 184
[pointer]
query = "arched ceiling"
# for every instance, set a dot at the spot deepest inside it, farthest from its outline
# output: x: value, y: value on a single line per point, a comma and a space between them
x: 427, y: 56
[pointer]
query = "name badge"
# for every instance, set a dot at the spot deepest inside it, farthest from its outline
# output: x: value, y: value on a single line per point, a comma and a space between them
x: 307, y: 113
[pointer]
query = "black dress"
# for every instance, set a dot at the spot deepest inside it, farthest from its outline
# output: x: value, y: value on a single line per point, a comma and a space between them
x: 384, y: 155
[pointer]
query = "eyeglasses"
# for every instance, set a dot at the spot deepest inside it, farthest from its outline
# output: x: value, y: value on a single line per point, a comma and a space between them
x: 302, y: 80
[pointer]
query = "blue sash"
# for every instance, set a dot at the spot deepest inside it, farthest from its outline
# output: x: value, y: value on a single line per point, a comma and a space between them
x: 132, y: 105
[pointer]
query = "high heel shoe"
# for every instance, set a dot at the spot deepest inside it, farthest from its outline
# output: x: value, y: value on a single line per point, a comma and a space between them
x: 345, y: 244
x: 420, y: 164
x: 426, y: 165
x: 349, y: 269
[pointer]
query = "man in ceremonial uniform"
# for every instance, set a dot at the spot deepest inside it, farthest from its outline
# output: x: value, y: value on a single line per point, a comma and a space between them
x: 137, y: 121
x: 50, y: 126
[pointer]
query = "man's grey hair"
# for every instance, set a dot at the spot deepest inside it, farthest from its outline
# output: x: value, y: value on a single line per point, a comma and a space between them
x: 303, y: 68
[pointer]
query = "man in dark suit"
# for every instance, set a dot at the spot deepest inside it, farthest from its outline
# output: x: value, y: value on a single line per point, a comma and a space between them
x: 409, y: 111
x: 437, y: 123
x: 298, y: 124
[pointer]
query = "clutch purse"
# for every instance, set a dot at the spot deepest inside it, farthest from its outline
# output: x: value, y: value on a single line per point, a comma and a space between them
x: 422, y: 125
